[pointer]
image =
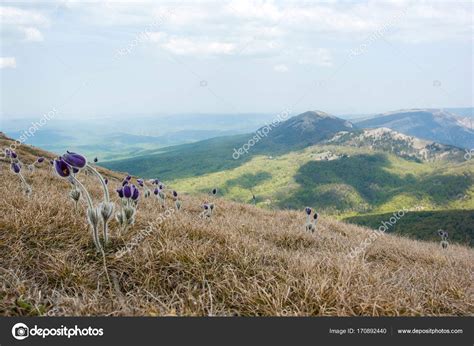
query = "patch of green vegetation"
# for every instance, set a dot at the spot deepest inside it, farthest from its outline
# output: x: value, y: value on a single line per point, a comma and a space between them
x: 361, y: 182
x: 424, y: 224
x: 341, y: 181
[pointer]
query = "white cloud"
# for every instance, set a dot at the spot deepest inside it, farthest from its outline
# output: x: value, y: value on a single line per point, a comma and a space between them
x: 33, y: 34
x: 155, y: 36
x: 20, y: 24
x: 248, y: 9
x: 423, y: 21
x: 311, y: 56
x: 280, y: 68
x: 7, y: 62
x: 253, y: 28
x: 20, y: 17
x: 185, y: 46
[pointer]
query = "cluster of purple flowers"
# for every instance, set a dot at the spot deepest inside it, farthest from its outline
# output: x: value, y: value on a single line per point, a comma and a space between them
x: 444, y: 238
x: 128, y: 191
x: 159, y: 192
x: 129, y: 195
x: 310, y: 225
x: 16, y: 167
x: 67, y: 166
x: 208, y: 208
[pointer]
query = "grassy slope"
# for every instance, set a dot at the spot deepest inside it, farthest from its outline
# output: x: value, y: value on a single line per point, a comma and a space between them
x: 246, y: 261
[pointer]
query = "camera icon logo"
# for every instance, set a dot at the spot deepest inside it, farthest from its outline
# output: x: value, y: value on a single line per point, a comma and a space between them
x: 20, y: 331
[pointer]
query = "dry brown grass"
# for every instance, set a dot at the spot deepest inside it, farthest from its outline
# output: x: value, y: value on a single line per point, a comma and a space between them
x: 245, y: 261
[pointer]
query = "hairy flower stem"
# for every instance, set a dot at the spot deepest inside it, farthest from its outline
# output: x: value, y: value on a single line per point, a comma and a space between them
x: 102, y: 181
x: 106, y: 201
x: 95, y: 234
x: 26, y: 186
x: 94, y: 227
x: 105, y: 231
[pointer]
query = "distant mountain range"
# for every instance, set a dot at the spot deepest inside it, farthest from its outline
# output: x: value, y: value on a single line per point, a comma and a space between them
x: 407, y: 147
x: 215, y: 154
x: 315, y: 159
x: 301, y: 131
x: 431, y: 124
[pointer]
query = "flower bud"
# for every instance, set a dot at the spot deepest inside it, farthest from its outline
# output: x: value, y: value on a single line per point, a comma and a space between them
x: 75, y: 195
x: 74, y: 160
x: 106, y: 210
x: 15, y: 167
x: 93, y: 217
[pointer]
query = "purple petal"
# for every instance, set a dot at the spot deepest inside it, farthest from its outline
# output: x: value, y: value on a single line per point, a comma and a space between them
x: 62, y: 168
x: 127, y: 191
x: 15, y: 167
x: 74, y: 160
x: 135, y: 193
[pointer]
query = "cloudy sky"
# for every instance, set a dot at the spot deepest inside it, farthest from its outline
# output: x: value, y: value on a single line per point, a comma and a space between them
x: 89, y: 58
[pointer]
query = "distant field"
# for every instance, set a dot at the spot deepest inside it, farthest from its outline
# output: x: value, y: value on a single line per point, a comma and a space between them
x: 424, y: 224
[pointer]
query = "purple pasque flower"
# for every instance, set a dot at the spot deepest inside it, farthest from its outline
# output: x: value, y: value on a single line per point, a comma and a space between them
x: 62, y: 168
x: 205, y: 206
x: 40, y: 159
x: 214, y: 191
x: 7, y: 152
x: 140, y: 182
x: 315, y: 216
x: 156, y: 191
x: 175, y: 194
x: 135, y: 192
x: 127, y: 191
x: 15, y: 167
x: 128, y: 177
x: 106, y: 181
x: 161, y: 186
x: 125, y: 182
x: 74, y: 160
x: 13, y: 154
x: 307, y: 210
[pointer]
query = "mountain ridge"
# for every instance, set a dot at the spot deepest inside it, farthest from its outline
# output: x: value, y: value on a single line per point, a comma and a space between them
x: 431, y: 124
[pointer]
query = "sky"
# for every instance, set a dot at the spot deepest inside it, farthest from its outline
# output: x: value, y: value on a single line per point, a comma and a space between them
x: 90, y: 58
